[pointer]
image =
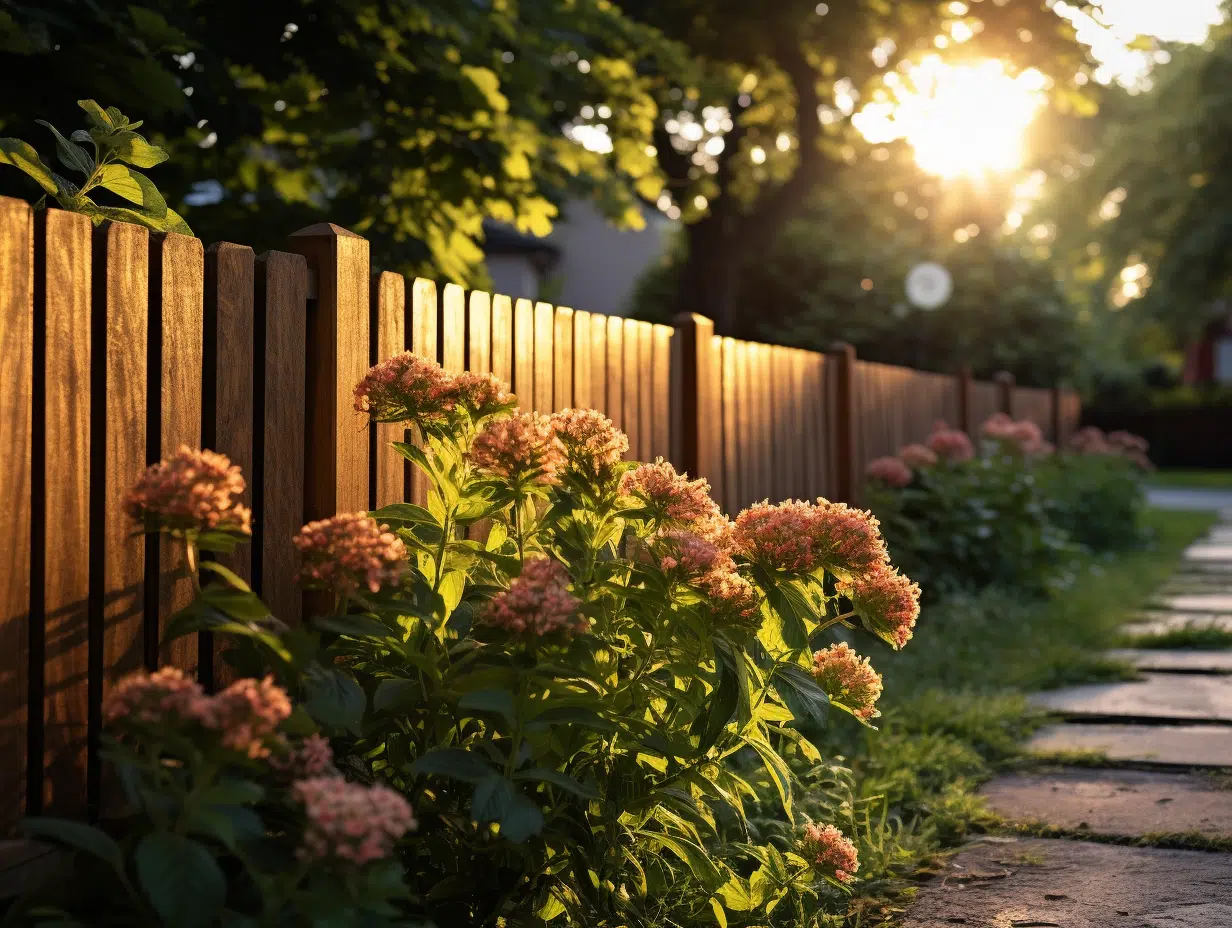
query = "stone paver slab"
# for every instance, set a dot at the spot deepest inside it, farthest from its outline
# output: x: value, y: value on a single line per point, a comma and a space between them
x: 1193, y: 500
x: 1213, y: 662
x: 1209, y: 552
x: 1188, y: 697
x: 1159, y: 623
x: 1168, y: 745
x: 1075, y: 884
x: 1127, y: 803
x: 1199, y: 602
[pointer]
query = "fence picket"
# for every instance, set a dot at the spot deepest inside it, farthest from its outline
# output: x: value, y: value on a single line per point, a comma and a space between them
x: 615, y: 387
x: 562, y: 360
x: 502, y: 338
x: 388, y: 325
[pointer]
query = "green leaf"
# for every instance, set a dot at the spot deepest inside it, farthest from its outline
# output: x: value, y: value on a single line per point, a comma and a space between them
x: 240, y: 605
x: 800, y: 692
x: 70, y: 154
x: 404, y: 513
x: 171, y: 221
x: 134, y: 187
x: 232, y: 791
x: 25, y: 158
x: 455, y: 763
x: 181, y: 879
x: 227, y: 574
x: 392, y: 691
x: 97, y: 115
x: 793, y: 609
x: 521, y: 820
x: 135, y: 150
x: 498, y: 701
x: 493, y: 798
x: 779, y: 772
x: 721, y: 705
x: 556, y: 778
x: 79, y: 836
x: 353, y: 626
x: 333, y: 698
x: 694, y: 855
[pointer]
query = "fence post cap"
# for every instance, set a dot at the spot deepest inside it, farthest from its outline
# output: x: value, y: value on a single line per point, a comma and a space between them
x: 1003, y: 377
x: 841, y: 347
x: 696, y: 319
x: 324, y: 230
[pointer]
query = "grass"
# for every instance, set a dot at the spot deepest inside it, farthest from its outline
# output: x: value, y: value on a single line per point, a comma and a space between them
x: 1189, y: 638
x: 1192, y: 479
x: 955, y: 699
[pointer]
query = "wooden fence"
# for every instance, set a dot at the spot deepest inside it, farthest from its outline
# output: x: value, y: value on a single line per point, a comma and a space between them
x: 117, y: 346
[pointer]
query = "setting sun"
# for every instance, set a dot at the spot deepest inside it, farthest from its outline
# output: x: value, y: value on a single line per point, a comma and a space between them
x: 961, y: 120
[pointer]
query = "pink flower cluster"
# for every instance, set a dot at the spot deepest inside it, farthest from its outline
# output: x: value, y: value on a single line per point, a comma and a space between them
x: 592, y: 442
x: 246, y: 714
x: 694, y: 555
x: 829, y: 850
x: 522, y: 447
x: 348, y: 822
x: 891, y: 471
x: 888, y: 602
x: 349, y: 552
x: 1092, y: 440
x: 848, y: 678
x: 190, y: 491
x: 312, y: 757
x: 481, y: 394
x: 709, y: 568
x: 673, y: 497
x: 406, y: 388
x: 950, y: 444
x: 917, y: 456
x: 800, y: 537
x: 732, y: 596
x: 538, y: 602
x: 1023, y: 434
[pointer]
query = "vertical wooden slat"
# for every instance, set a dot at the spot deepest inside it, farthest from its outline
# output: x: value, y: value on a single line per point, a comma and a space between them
x: 479, y: 333
x: 66, y: 510
x: 178, y: 270
x: 645, y: 386
x: 796, y: 441
x: 502, y: 338
x: 336, y: 469
x: 453, y: 329
x: 424, y: 319
x: 388, y: 324
x: 615, y: 387
x: 562, y: 359
x: 598, y: 363
x: 842, y: 360
x: 697, y: 386
x: 524, y: 353
x: 16, y: 440
x: 630, y: 379
x: 122, y: 306
x: 661, y: 393
x: 1005, y: 387
x: 744, y: 439
x: 282, y: 290
x: 542, y: 378
x: 581, y: 360
x: 731, y: 438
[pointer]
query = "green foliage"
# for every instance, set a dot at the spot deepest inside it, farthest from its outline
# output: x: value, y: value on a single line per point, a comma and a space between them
x: 1095, y: 499
x: 114, y: 144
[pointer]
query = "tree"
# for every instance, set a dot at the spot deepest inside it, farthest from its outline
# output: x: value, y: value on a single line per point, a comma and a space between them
x: 409, y: 121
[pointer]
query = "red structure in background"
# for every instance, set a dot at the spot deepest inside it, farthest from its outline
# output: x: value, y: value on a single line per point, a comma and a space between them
x: 1209, y: 360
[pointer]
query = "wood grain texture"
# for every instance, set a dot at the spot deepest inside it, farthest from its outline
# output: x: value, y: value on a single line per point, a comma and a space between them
x: 336, y: 472
x: 661, y: 392
x: 178, y: 271
x: 16, y: 423
x: 282, y: 289
x: 730, y: 487
x: 598, y: 363
x: 615, y: 387
x: 701, y: 398
x: 479, y: 333
x: 524, y: 353
x: 580, y: 337
x: 121, y: 284
x: 390, y: 475
x: 453, y: 329
x: 645, y: 386
x: 424, y: 342
x: 562, y: 359
x: 744, y: 438
x: 502, y: 338
x: 630, y: 402
x: 545, y: 329
x: 66, y: 560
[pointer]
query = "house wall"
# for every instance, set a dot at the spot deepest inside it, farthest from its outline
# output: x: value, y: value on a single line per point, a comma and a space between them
x: 514, y: 275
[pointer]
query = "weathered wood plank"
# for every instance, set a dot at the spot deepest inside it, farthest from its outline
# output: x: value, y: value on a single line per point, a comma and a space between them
x: 562, y: 359
x: 661, y: 393
x: 479, y: 333
x: 502, y: 338
x: 731, y: 442
x: 598, y: 363
x: 582, y: 375
x: 615, y: 387
x: 389, y: 325
x: 453, y: 329
x: 630, y: 402
x: 524, y: 353
x: 645, y: 387
x: 544, y: 357
x: 424, y: 320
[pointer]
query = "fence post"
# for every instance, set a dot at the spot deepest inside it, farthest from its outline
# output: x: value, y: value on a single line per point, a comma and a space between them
x: 699, y: 426
x: 963, y: 380
x: 1058, y: 393
x: 1005, y: 389
x: 336, y: 445
x: 842, y: 358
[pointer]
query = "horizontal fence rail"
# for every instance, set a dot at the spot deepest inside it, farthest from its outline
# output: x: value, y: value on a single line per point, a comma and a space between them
x: 117, y: 346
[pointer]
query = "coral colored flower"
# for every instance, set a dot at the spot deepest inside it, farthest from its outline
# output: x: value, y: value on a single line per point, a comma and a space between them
x: 350, y: 823
x: 481, y: 394
x: 538, y: 602
x: 520, y: 447
x: 732, y: 596
x: 312, y: 757
x: 670, y: 496
x: 190, y: 491
x: 165, y: 696
x: 950, y: 444
x: 693, y: 554
x: 917, y: 456
x: 1090, y: 440
x: 406, y: 388
x: 778, y: 536
x: 1128, y: 442
x: 888, y: 602
x: 847, y: 540
x: 829, y: 850
x: 889, y: 470
x: 848, y: 678
x: 592, y: 443
x: 248, y: 713
x: 1023, y: 433
x: 349, y: 552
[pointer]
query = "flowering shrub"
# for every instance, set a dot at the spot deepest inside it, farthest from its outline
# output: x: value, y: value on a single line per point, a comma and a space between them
x: 1012, y: 513
x: 576, y: 707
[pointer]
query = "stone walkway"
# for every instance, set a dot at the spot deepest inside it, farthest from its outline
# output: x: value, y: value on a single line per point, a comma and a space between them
x: 1156, y: 775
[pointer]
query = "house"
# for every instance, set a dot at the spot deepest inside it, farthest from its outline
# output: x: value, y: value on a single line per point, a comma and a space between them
x: 1209, y: 360
x: 586, y: 262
